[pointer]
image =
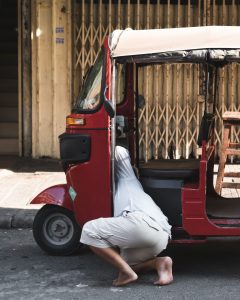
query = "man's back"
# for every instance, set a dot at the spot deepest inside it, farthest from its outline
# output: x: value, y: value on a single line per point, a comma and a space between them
x: 130, y: 195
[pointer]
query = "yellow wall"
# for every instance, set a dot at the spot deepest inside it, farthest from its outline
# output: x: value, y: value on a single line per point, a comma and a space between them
x: 51, y: 73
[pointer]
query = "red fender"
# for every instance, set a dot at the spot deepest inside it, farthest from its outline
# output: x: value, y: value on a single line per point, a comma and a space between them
x: 56, y: 195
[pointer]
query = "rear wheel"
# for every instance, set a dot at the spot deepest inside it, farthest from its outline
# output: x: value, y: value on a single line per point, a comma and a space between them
x: 56, y: 231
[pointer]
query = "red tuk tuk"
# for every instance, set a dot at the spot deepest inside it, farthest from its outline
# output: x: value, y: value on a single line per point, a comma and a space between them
x: 183, y: 188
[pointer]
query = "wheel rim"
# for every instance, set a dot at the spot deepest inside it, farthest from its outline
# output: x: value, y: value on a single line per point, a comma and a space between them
x: 58, y: 229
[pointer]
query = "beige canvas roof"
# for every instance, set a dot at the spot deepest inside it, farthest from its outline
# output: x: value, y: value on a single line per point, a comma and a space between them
x: 137, y: 42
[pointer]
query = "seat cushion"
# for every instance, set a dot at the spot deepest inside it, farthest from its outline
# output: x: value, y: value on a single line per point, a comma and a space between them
x: 186, y: 169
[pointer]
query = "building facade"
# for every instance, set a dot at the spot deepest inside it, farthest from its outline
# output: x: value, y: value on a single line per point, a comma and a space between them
x: 47, y: 47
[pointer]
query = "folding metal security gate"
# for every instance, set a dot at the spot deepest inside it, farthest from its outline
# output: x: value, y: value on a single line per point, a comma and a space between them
x: 169, y: 121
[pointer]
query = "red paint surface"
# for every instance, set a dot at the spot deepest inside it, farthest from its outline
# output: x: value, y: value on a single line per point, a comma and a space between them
x: 195, y: 219
x: 92, y: 180
x: 56, y: 195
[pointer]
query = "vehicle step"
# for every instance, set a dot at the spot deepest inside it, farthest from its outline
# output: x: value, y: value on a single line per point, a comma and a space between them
x: 8, y: 85
x: 8, y: 99
x: 9, y: 146
x: 8, y: 114
x: 8, y: 129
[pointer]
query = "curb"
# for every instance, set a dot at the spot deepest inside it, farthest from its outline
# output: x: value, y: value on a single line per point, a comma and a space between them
x: 16, y: 218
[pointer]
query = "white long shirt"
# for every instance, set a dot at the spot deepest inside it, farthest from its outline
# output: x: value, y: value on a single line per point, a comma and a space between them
x: 130, y: 195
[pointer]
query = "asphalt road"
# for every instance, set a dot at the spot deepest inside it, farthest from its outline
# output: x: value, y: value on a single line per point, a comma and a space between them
x: 203, y: 271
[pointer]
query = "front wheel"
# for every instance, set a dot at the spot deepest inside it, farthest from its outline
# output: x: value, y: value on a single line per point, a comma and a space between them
x: 56, y: 231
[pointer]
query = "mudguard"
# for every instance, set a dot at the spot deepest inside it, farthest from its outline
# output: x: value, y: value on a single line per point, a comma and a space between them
x: 56, y: 195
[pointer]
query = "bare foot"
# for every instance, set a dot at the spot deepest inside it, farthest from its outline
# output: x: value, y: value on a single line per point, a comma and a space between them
x: 125, y: 277
x: 164, y: 270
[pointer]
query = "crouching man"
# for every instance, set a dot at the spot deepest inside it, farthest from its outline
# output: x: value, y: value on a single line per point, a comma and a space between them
x: 138, y: 232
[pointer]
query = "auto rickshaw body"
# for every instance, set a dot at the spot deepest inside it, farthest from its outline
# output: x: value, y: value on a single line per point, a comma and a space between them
x: 182, y: 188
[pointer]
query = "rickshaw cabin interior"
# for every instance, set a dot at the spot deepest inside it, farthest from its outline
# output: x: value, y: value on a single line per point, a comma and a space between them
x: 169, y: 181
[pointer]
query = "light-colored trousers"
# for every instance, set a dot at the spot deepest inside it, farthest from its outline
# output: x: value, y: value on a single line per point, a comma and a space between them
x: 138, y: 236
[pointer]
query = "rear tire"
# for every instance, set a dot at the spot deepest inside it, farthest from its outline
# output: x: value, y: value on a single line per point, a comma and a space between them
x: 56, y: 231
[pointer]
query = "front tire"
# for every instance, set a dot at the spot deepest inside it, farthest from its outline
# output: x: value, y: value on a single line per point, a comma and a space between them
x: 56, y: 231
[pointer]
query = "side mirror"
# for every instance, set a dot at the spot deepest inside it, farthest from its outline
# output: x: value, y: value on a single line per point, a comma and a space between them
x: 108, y: 106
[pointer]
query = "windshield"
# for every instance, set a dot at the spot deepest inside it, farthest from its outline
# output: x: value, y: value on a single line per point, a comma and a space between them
x: 90, y: 95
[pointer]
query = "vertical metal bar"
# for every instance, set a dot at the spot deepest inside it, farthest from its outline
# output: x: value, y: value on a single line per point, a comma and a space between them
x: 71, y: 55
x: 187, y: 115
x: 204, y: 12
x: 232, y: 102
x: 109, y: 16
x: 232, y: 87
x: 167, y: 112
x: 214, y: 13
x: 91, y: 33
x: 128, y: 14
x: 199, y: 13
x: 100, y: 23
x: 168, y: 14
x: 223, y: 95
x: 189, y: 13
x: 83, y: 38
x: 147, y: 115
x: 224, y: 13
x: 177, y: 154
x: 198, y: 103
x: 178, y: 13
x: 156, y: 95
x: 136, y: 117
x: 148, y: 14
x: 224, y: 73
x: 147, y: 97
x: 233, y: 13
x: 119, y: 14
x: 208, y: 13
x: 138, y: 15
x: 206, y: 83
x: 167, y: 91
x: 157, y: 9
x: 113, y: 125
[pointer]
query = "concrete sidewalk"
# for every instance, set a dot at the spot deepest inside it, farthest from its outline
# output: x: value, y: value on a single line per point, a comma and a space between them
x: 22, y: 179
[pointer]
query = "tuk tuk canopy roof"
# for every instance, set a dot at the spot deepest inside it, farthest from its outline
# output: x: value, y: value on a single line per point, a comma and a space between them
x: 177, y: 43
